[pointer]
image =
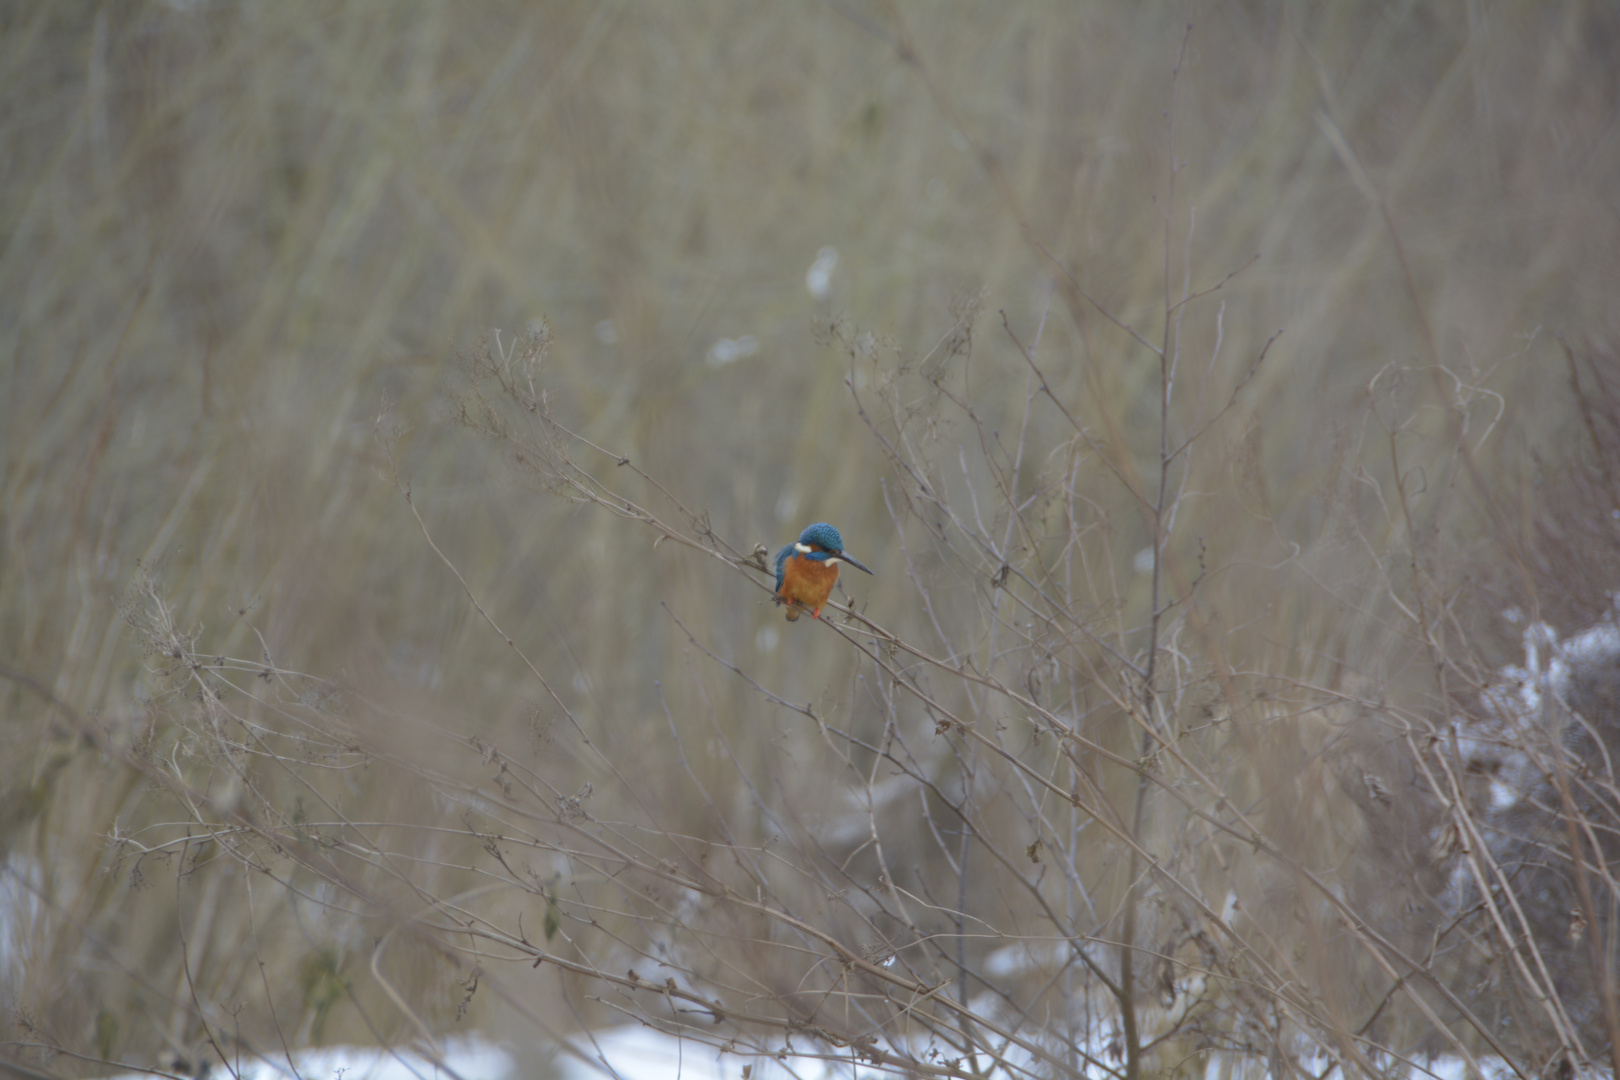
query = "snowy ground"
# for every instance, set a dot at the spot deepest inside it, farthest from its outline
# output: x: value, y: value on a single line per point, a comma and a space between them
x: 631, y: 1052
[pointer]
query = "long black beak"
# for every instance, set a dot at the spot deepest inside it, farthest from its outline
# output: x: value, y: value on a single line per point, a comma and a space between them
x: 844, y: 556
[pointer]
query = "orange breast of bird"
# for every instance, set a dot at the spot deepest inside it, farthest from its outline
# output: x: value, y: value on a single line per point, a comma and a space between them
x: 808, y: 582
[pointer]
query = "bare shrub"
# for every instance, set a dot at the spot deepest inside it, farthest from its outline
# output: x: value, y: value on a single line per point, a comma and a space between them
x: 1171, y: 738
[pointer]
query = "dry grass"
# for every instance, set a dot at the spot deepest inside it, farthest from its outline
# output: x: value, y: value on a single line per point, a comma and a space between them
x: 332, y: 713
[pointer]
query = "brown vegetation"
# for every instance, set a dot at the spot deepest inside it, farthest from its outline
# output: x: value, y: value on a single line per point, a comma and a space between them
x: 1202, y: 393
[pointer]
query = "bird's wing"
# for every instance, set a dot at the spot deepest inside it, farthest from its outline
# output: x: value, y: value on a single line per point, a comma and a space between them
x: 781, y: 565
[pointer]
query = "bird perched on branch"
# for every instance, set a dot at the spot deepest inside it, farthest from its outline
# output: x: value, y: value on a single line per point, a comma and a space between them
x: 807, y: 569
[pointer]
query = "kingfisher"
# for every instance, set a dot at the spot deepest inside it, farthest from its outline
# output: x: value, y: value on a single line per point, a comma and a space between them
x: 807, y: 569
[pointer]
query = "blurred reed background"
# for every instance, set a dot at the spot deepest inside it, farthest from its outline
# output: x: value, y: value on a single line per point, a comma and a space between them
x: 245, y: 243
